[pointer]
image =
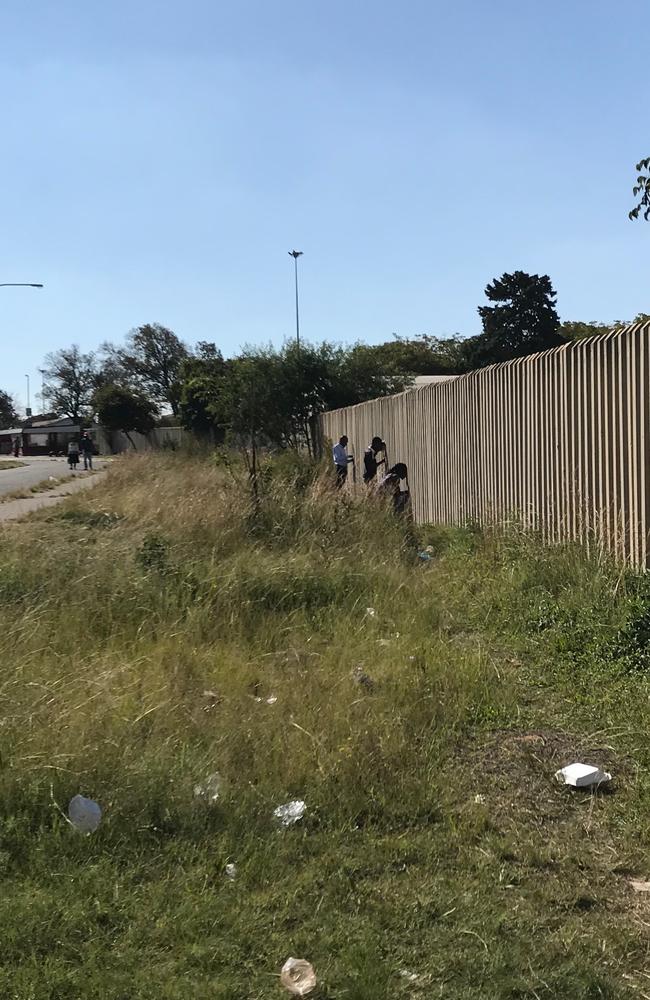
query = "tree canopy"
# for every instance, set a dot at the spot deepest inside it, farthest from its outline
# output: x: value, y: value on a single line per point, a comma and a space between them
x: 523, y: 320
x: 641, y: 190
x: 8, y: 415
x: 70, y: 380
x: 120, y: 409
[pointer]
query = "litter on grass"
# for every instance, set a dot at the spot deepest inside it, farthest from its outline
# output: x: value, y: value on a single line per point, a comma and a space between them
x: 210, y: 790
x: 479, y: 799
x: 290, y: 812
x: 84, y: 814
x: 231, y: 871
x: 272, y: 700
x: 371, y: 612
x: 424, y: 556
x: 582, y: 775
x: 298, y: 977
x: 361, y: 677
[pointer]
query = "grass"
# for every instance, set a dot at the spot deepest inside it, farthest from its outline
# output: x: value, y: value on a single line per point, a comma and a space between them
x: 9, y: 463
x: 145, y: 626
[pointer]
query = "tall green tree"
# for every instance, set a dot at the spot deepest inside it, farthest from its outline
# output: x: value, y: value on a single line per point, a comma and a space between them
x: 149, y: 363
x: 120, y: 409
x: 70, y: 380
x: 421, y: 355
x: 522, y: 320
x: 641, y: 190
x: 8, y: 415
x: 200, y: 378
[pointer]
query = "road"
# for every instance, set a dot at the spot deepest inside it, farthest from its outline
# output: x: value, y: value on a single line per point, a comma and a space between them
x: 36, y: 470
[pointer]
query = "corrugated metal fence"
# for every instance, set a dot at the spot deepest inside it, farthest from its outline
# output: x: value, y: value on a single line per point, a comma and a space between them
x: 558, y: 441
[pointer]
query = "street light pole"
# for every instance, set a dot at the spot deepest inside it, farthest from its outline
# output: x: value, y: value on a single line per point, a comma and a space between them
x: 19, y: 284
x: 295, y: 254
x: 29, y: 409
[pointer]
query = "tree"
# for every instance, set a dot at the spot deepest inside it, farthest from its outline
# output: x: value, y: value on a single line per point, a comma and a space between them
x: 151, y: 363
x: 422, y: 355
x: 8, y: 415
x: 523, y: 321
x: 641, y: 190
x: 282, y: 390
x: 119, y: 409
x: 70, y: 379
x: 200, y: 383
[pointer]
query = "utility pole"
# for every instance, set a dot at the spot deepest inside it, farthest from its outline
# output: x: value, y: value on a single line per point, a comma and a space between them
x: 28, y: 411
x: 295, y: 254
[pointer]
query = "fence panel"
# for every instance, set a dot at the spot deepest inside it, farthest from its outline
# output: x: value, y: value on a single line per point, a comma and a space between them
x: 558, y: 440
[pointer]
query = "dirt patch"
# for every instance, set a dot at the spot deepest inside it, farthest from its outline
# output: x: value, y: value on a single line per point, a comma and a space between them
x: 514, y: 771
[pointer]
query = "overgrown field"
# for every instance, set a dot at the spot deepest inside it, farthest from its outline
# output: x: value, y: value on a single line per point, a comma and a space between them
x: 422, y: 709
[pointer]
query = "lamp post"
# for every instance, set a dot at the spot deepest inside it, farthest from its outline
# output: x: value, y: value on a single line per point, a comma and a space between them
x: 295, y: 254
x: 28, y: 411
x: 19, y: 284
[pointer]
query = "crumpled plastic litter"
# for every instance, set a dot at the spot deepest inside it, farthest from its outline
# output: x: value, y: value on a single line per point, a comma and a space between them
x: 272, y: 699
x: 84, y: 814
x: 231, y: 870
x: 371, y: 612
x: 290, y: 812
x: 425, y: 556
x: 210, y: 790
x: 582, y: 775
x: 298, y: 977
x: 361, y: 677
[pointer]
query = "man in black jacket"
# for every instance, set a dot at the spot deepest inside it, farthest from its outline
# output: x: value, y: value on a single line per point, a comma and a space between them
x: 370, y: 463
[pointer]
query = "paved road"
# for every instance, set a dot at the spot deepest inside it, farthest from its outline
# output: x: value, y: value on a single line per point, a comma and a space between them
x: 35, y: 471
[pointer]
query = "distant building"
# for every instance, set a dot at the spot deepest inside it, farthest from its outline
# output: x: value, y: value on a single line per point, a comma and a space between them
x: 40, y: 437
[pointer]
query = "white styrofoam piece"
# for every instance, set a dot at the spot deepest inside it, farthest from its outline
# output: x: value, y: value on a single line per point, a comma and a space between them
x: 582, y: 775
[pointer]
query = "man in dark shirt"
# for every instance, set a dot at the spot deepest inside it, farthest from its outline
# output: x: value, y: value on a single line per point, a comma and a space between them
x: 87, y: 448
x: 370, y: 463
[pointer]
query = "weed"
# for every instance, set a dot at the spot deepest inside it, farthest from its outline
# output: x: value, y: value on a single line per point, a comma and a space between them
x: 434, y: 840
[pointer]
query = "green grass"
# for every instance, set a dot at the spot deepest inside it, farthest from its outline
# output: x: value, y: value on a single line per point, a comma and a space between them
x: 144, y: 627
x: 9, y: 463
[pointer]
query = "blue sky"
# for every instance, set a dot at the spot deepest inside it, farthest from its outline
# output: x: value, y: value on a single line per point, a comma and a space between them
x: 160, y: 159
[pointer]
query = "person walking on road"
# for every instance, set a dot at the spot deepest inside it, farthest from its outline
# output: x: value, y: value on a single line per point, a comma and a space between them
x: 341, y: 459
x: 370, y: 463
x: 73, y: 455
x: 87, y: 450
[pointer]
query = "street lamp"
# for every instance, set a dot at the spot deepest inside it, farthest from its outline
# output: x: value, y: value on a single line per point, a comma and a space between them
x: 295, y: 254
x: 19, y: 284
x: 28, y: 411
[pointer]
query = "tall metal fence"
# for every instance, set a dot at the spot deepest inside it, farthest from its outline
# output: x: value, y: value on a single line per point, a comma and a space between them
x: 558, y: 441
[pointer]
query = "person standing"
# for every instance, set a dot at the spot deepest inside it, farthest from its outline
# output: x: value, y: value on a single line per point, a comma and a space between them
x: 87, y: 448
x: 370, y: 463
x: 73, y: 455
x: 341, y: 459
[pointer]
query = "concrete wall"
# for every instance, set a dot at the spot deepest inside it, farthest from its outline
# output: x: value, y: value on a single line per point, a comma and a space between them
x: 558, y: 440
x: 160, y: 437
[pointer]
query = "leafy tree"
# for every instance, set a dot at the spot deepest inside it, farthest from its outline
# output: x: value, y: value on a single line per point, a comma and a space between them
x: 641, y: 190
x: 523, y: 320
x: 149, y: 363
x: 283, y: 390
x: 422, y: 355
x: 575, y: 330
x: 200, y: 383
x: 120, y: 409
x: 70, y: 380
x: 8, y: 415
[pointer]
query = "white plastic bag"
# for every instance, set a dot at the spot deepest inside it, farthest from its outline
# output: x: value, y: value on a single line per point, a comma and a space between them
x: 84, y: 814
x: 298, y: 977
x: 290, y: 812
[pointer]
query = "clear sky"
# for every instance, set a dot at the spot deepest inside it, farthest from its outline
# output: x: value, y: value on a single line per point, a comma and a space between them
x: 160, y: 159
